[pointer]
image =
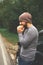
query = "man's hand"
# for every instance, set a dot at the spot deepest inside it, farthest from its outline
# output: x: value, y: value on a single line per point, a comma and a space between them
x: 20, y: 29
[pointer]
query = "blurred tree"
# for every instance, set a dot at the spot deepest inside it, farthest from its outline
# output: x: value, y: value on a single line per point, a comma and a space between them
x: 11, y: 9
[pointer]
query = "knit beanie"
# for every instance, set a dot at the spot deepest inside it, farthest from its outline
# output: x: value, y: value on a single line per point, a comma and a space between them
x: 25, y: 16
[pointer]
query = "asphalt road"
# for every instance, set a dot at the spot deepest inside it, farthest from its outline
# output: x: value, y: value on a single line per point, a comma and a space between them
x: 4, y: 56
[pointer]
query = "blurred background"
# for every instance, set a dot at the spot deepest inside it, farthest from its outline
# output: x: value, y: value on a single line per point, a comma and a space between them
x: 10, y: 11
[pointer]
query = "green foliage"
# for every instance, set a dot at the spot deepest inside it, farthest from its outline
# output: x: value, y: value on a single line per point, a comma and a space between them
x: 11, y: 37
x: 11, y: 9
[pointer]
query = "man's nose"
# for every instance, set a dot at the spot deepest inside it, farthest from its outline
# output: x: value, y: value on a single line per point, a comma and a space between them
x: 20, y: 23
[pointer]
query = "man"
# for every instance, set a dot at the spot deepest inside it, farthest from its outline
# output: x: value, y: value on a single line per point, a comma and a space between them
x: 28, y: 38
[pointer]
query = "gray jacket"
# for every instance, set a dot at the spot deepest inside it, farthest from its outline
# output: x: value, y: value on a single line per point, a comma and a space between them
x: 28, y: 41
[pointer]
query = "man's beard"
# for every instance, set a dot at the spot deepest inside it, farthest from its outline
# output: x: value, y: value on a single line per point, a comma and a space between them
x: 25, y: 26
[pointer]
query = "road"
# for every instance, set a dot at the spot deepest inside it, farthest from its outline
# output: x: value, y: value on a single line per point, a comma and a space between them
x: 4, y: 56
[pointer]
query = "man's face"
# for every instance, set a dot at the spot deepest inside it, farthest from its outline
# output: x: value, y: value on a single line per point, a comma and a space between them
x: 24, y: 24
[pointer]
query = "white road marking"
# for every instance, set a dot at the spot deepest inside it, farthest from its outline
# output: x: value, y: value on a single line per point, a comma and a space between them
x: 3, y: 51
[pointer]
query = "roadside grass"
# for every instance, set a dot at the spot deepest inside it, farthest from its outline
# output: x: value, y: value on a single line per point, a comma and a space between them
x: 11, y: 37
